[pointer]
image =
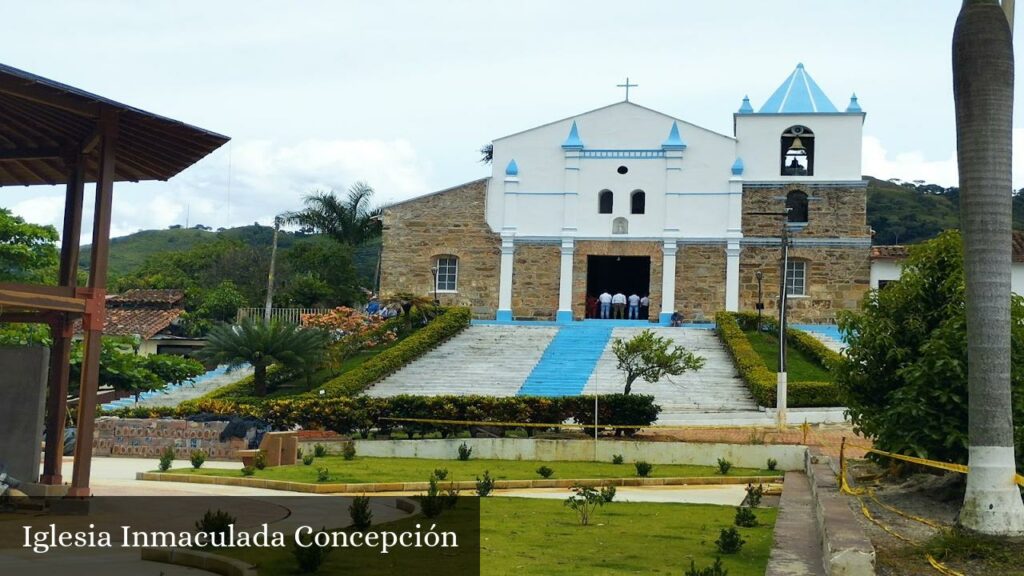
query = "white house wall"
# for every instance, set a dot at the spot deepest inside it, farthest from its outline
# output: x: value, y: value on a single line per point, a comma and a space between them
x: 889, y: 270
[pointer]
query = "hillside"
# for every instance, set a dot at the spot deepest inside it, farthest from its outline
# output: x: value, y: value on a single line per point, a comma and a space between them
x: 908, y: 213
x: 128, y: 253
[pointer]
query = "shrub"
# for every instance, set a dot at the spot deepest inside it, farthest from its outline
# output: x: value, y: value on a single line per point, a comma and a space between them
x: 608, y: 493
x: 451, y: 496
x: 724, y: 466
x: 545, y: 472
x: 715, y: 569
x: 433, y: 502
x: 745, y: 517
x: 166, y: 458
x: 729, y: 541
x: 484, y: 486
x: 248, y: 470
x: 197, y: 457
x: 310, y: 556
x: 772, y: 463
x: 319, y: 450
x: 307, y: 459
x: 755, y: 373
x: 360, y: 513
x: 617, y: 459
x: 260, y: 462
x: 348, y: 450
x: 584, y: 501
x: 754, y: 495
x: 218, y: 522
x: 323, y: 474
x: 441, y: 473
x: 464, y: 452
x: 643, y: 469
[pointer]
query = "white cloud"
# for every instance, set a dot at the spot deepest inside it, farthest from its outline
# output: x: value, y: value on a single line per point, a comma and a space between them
x: 878, y: 162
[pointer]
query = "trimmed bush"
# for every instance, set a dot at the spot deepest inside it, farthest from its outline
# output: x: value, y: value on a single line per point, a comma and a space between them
x: 484, y: 486
x: 261, y: 460
x: 360, y: 513
x: 197, y: 457
x: 729, y: 541
x: 248, y: 471
x: 761, y: 381
x: 545, y: 472
x: 643, y: 469
x: 772, y: 463
x: 745, y: 517
x: 617, y: 459
x: 724, y: 466
x: 323, y: 474
x: 166, y: 458
x: 307, y: 460
x: 348, y: 450
x: 464, y: 452
x: 319, y: 450
x: 608, y: 493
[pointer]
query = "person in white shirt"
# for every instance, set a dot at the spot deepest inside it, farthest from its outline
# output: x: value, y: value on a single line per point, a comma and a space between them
x: 619, y: 306
x: 605, y: 299
x: 645, y: 306
x: 634, y: 307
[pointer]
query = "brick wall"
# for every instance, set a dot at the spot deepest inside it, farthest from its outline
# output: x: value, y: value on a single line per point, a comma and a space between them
x: 452, y: 222
x: 700, y: 280
x: 148, y: 437
x: 535, y: 276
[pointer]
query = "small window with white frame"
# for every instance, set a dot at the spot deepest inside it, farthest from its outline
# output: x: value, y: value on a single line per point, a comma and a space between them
x: 447, y: 268
x: 796, y: 278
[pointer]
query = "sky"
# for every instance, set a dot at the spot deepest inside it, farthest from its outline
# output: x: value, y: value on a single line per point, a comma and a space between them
x: 317, y: 95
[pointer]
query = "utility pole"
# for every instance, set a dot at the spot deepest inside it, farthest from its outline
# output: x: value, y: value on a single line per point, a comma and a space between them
x: 270, y: 274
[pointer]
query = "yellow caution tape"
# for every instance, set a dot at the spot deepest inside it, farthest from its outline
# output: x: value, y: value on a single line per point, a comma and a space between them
x: 960, y: 468
x: 942, y: 567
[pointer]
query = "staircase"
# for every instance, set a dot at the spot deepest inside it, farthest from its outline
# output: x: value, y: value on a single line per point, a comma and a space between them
x: 567, y: 363
x: 491, y: 360
x: 714, y: 388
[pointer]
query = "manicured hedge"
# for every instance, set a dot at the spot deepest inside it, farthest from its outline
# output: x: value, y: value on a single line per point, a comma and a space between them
x: 762, y: 381
x: 798, y: 339
x: 447, y: 324
x: 361, y: 414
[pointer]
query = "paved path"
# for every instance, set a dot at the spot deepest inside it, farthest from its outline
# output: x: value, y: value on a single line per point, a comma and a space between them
x: 174, y: 395
x: 797, y: 546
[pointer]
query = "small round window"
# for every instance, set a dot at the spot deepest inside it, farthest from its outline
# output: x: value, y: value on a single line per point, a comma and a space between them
x: 622, y: 170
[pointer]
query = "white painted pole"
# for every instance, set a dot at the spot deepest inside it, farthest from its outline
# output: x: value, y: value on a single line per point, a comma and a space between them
x: 595, y: 427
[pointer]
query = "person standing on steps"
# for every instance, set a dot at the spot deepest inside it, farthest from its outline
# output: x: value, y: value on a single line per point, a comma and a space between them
x: 619, y: 305
x: 605, y: 299
x: 645, y: 307
x: 591, y: 306
x: 634, y: 306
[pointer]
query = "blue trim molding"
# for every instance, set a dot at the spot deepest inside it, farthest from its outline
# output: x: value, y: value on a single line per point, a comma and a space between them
x: 563, y: 317
x: 503, y: 316
x: 635, y: 154
x: 512, y: 169
x: 674, y: 141
x: 665, y: 319
x: 573, y: 142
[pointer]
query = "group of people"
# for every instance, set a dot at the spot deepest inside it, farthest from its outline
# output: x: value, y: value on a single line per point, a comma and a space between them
x: 618, y: 305
x: 374, y: 308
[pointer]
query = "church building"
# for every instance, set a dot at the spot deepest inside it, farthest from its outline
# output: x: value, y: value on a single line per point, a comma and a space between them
x: 628, y: 199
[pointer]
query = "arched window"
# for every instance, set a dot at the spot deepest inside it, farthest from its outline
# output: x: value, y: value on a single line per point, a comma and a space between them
x: 604, y: 202
x: 620, y: 226
x: 796, y: 206
x: 637, y: 202
x: 797, y: 151
x: 446, y: 271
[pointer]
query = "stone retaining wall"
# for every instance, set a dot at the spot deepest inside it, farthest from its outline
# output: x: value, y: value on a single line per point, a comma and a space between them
x: 535, y: 277
x: 148, y: 437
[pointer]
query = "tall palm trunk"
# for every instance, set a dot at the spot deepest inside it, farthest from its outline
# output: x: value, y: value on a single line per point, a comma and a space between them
x: 983, y: 90
x: 270, y: 275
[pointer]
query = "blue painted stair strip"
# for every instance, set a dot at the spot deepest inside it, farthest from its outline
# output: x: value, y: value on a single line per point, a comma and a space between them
x: 567, y: 362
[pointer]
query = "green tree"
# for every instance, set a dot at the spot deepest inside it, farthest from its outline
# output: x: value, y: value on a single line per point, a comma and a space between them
x: 320, y: 272
x: 350, y: 220
x: 221, y: 304
x: 173, y: 369
x: 652, y: 357
x: 25, y: 249
x: 983, y: 94
x: 120, y: 367
x: 263, y: 344
x: 904, y: 373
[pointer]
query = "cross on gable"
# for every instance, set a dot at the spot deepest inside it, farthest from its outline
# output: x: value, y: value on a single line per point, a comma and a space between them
x: 627, y: 86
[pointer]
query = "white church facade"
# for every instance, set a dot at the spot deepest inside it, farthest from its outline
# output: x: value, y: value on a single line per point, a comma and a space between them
x: 625, y: 198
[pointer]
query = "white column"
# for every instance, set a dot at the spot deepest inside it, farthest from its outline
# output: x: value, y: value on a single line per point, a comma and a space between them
x: 571, y: 191
x: 732, y: 276
x: 564, y: 314
x: 668, y: 281
x: 508, y: 252
x: 510, y: 217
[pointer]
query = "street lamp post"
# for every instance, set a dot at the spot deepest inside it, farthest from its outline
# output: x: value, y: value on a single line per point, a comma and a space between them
x: 433, y: 272
x: 781, y: 383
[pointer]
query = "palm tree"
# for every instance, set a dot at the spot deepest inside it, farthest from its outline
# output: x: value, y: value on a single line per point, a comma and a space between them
x: 263, y: 344
x: 350, y: 220
x: 983, y: 91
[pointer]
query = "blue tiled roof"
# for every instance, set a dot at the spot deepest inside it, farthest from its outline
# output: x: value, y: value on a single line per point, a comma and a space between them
x: 799, y: 94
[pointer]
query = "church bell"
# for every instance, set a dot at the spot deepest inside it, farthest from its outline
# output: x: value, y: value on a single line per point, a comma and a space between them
x: 796, y: 148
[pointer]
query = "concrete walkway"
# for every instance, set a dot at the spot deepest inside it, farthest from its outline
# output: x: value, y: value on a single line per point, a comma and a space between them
x: 796, y: 546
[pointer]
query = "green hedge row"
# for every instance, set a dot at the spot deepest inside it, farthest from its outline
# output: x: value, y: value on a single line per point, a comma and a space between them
x: 798, y: 339
x: 361, y: 414
x: 762, y: 381
x: 447, y: 324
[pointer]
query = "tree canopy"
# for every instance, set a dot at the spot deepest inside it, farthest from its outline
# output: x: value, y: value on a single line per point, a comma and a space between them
x: 27, y: 250
x: 652, y: 357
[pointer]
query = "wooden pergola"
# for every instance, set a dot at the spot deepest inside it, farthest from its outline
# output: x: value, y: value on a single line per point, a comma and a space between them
x: 51, y: 133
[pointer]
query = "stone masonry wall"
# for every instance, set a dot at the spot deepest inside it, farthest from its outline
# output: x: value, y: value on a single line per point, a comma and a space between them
x: 586, y: 248
x: 839, y: 212
x: 837, y: 279
x: 700, y: 281
x: 451, y: 222
x: 535, y: 276
x: 147, y: 438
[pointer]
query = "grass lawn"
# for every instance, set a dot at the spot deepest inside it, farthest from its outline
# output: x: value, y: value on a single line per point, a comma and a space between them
x: 800, y: 367
x: 367, y: 469
x: 523, y: 536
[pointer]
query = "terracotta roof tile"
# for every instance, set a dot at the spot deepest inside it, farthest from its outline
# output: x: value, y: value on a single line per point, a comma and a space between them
x: 893, y: 252
x: 141, y: 296
x: 143, y: 322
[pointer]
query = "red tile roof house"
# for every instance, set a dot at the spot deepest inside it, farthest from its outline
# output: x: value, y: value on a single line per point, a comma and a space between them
x: 886, y: 262
x: 150, y: 316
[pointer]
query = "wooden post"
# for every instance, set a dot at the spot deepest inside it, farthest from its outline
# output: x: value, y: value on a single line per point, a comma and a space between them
x: 60, y: 328
x: 93, y: 321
